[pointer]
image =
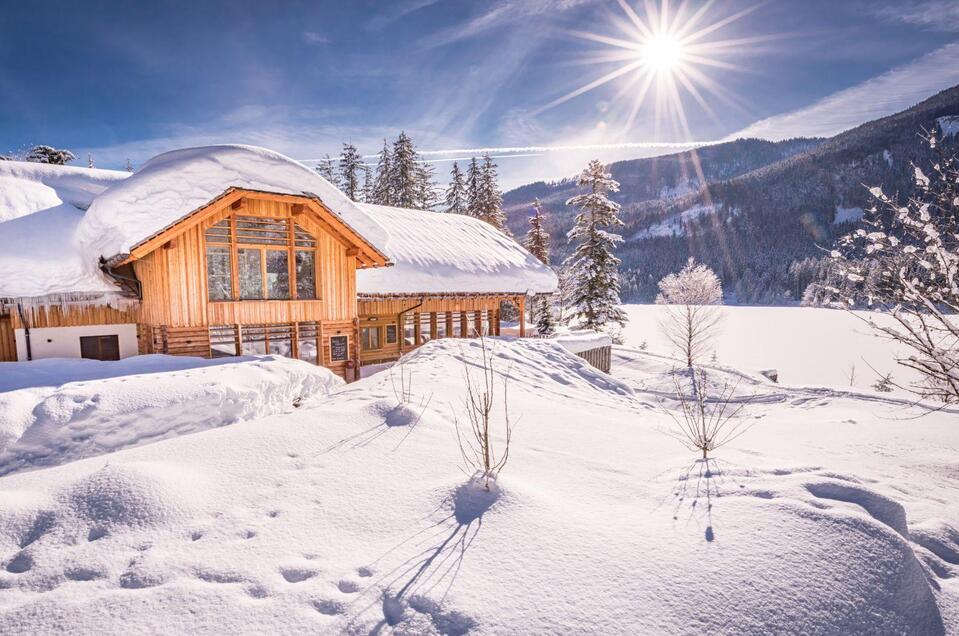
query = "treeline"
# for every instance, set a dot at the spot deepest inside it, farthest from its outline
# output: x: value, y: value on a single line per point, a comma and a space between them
x: 402, y: 178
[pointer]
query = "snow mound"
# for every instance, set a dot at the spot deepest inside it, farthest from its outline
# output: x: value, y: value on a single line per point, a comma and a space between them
x: 449, y: 253
x: 130, y: 495
x: 174, y: 184
x: 83, y: 419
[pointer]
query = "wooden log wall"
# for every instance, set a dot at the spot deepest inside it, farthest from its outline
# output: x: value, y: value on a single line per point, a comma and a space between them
x: 74, y: 314
x: 8, y: 344
x: 600, y: 357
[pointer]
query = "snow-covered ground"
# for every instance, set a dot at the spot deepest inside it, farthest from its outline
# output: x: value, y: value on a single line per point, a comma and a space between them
x: 836, y: 512
x: 806, y: 345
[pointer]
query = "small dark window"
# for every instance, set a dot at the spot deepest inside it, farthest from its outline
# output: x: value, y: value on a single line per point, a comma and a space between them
x: 370, y: 338
x: 100, y: 347
x: 390, y: 334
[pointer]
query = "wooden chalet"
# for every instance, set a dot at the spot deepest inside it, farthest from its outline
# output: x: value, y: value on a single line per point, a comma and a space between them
x: 234, y: 250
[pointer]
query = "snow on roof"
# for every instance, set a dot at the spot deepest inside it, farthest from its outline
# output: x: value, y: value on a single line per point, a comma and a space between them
x: 27, y: 187
x: 40, y: 207
x: 434, y: 252
x: 174, y: 184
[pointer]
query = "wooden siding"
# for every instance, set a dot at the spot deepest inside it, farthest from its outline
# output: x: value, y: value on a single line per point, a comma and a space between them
x: 174, y: 278
x: 8, y: 344
x: 74, y: 314
x: 600, y: 357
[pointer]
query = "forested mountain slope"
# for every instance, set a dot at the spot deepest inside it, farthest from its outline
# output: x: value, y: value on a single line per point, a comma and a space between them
x: 761, y: 218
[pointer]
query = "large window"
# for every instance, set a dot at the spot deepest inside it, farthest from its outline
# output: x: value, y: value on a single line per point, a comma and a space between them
x: 257, y: 251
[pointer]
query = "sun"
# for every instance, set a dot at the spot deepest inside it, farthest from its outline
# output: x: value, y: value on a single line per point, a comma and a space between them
x: 668, y: 53
x: 662, y: 53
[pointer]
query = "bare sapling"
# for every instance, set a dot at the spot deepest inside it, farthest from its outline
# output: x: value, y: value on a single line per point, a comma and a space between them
x: 485, y: 416
x: 708, y: 422
x: 402, y: 382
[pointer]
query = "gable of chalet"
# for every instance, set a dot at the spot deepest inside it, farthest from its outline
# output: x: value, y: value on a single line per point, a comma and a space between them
x: 231, y: 201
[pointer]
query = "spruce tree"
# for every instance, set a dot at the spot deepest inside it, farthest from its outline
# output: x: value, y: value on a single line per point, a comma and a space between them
x: 350, y: 166
x: 595, y: 294
x: 473, y: 175
x: 490, y: 197
x: 537, y: 238
x: 382, y: 189
x: 456, y: 192
x: 537, y: 242
x: 327, y: 170
x: 367, y: 184
x: 426, y: 186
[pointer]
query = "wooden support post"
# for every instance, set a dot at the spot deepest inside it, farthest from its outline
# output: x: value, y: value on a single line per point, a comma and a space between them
x: 400, y: 331
x: 522, y: 316
x: 449, y: 324
x: 496, y: 320
x: 464, y: 325
x: 434, y: 327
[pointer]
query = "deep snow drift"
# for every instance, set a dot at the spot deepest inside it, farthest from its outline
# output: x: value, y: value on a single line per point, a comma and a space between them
x: 351, y: 514
x: 149, y: 398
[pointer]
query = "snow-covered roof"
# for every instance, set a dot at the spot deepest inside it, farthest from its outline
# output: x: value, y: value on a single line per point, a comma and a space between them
x: 435, y: 253
x: 40, y: 208
x: 27, y: 187
x: 174, y: 184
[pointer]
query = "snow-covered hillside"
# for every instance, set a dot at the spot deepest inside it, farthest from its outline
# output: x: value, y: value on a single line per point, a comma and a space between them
x: 832, y: 514
x: 806, y: 345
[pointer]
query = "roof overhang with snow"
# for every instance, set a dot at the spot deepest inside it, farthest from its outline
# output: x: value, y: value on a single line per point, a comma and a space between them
x: 365, y: 252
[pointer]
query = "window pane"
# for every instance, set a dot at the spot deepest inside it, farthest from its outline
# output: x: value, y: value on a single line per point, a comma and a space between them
x: 370, y: 338
x: 277, y: 274
x: 305, y: 274
x: 251, y: 276
x: 219, y: 276
x: 222, y: 341
x: 390, y: 334
x: 307, y: 342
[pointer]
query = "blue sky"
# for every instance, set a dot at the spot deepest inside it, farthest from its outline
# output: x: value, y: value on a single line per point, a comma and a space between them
x: 129, y: 80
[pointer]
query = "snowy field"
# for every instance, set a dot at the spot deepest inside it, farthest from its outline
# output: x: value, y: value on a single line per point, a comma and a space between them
x: 806, y: 345
x: 837, y: 512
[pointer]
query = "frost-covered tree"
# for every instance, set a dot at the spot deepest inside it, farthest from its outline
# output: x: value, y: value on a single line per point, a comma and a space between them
x: 382, y: 184
x: 411, y: 180
x: 89, y: 160
x: 367, y: 192
x: 404, y: 181
x: 350, y: 165
x: 564, y: 293
x: 595, y: 285
x: 905, y: 261
x: 537, y: 238
x: 327, y: 170
x: 456, y: 191
x: 692, y: 315
x: 473, y: 176
x: 49, y: 154
x: 489, y: 197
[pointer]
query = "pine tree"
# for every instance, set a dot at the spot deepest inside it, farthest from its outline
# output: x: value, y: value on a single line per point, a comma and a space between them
x: 456, y: 192
x: 426, y: 186
x: 382, y: 187
x: 473, y: 177
x: 89, y: 160
x: 543, y: 314
x: 129, y: 166
x: 327, y: 170
x: 596, y: 280
x: 350, y: 166
x: 404, y: 178
x: 49, y: 154
x: 367, y: 185
x: 490, y: 198
x: 537, y: 238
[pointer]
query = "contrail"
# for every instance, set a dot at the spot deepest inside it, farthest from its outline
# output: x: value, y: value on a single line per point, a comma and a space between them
x: 504, y: 152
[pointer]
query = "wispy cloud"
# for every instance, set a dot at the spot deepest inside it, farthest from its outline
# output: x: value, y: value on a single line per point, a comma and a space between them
x: 891, y: 92
x: 396, y: 11
x: 937, y: 15
x: 314, y: 39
